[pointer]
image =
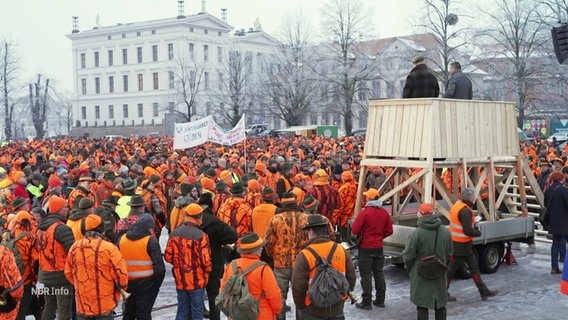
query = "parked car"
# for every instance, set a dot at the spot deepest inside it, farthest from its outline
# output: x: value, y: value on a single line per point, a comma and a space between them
x: 560, y: 137
x: 359, y: 132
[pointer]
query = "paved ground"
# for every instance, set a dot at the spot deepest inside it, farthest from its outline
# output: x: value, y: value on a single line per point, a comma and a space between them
x: 528, y: 291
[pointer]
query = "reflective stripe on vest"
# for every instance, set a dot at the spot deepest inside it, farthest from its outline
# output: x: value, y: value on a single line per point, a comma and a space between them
x: 138, y: 261
x: 455, y: 225
x: 323, y: 249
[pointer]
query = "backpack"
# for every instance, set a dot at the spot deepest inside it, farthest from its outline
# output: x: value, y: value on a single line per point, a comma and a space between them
x: 235, y: 300
x: 328, y: 286
x: 10, y: 243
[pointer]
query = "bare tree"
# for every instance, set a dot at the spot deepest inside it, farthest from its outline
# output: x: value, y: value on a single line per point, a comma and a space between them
x: 38, y: 105
x: 10, y: 65
x: 519, y: 49
x: 288, y: 84
x: 440, y: 18
x: 236, y: 94
x: 349, y: 66
x: 188, y: 84
x: 558, y: 9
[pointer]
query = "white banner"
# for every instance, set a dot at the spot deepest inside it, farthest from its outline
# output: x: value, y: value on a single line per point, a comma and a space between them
x: 191, y: 134
x: 237, y: 134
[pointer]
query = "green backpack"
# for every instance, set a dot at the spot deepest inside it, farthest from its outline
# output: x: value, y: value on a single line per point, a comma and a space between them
x: 235, y: 301
x: 10, y: 243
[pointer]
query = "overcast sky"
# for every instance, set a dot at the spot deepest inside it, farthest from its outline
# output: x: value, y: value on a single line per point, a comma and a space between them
x: 38, y: 27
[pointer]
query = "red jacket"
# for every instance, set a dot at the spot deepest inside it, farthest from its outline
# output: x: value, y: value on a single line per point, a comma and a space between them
x: 373, y: 224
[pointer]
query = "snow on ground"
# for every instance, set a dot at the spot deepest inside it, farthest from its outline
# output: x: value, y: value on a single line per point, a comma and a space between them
x: 527, y: 291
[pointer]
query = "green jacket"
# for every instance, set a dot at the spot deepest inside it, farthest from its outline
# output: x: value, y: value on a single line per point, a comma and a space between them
x: 427, y: 293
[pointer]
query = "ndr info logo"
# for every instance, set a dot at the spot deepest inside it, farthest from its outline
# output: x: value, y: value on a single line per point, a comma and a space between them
x: 50, y: 291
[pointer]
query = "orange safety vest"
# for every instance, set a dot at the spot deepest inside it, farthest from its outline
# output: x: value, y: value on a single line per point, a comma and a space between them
x: 52, y: 255
x: 138, y: 261
x: 455, y: 225
x: 323, y: 249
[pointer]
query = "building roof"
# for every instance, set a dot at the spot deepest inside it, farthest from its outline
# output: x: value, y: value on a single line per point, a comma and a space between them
x: 194, y: 19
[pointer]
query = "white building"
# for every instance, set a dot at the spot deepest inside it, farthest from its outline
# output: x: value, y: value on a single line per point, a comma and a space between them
x: 129, y: 76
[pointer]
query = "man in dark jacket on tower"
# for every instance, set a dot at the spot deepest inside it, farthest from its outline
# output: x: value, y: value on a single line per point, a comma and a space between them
x: 421, y: 82
x: 459, y: 86
x: 220, y: 234
x: 146, y: 268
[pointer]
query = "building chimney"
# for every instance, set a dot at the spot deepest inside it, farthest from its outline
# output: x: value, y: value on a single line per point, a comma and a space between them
x: 203, y: 6
x: 180, y: 9
x: 75, y: 25
x: 224, y: 14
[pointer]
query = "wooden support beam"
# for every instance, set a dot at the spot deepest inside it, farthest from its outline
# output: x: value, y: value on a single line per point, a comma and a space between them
x: 521, y: 184
x: 394, y: 163
x: 491, y: 187
x: 444, y: 192
x: 359, y: 201
x: 396, y: 190
x: 504, y: 187
x: 535, y: 187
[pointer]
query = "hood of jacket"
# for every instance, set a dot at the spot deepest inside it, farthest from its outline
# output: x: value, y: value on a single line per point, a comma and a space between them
x: 77, y: 214
x: 46, y: 222
x: 136, y: 232
x: 431, y: 222
x: 374, y: 203
x: 183, y: 201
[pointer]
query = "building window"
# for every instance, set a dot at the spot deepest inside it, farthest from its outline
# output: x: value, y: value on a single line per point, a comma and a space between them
x: 205, y: 31
x: 205, y: 53
x: 171, y: 79
x: 140, y: 82
x: 97, y: 85
x: 111, y: 111
x: 154, y: 53
x: 153, y: 31
x: 190, y: 29
x: 97, y: 112
x: 111, y: 84
x: 156, y: 82
x: 109, y: 37
x: 96, y: 58
x: 248, y: 62
x: 208, y: 107
x: 138, y: 33
x: 139, y: 54
x: 155, y: 109
x: 110, y: 58
x: 170, y: 51
x: 123, y: 35
x: 84, y: 113
x: 220, y: 80
x: 206, y: 80
x: 219, y: 33
x: 140, y: 110
x: 84, y: 86
x: 124, y: 56
x: 171, y: 106
x: 125, y: 82
x: 125, y: 111
x: 191, y: 55
x: 83, y: 61
x: 220, y: 54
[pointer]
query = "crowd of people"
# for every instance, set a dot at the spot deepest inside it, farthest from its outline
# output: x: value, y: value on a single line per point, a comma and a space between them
x: 84, y: 218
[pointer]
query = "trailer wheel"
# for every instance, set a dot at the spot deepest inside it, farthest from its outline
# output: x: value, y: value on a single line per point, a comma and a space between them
x: 490, y: 257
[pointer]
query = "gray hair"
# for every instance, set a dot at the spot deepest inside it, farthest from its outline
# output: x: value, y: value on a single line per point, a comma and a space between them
x: 468, y: 194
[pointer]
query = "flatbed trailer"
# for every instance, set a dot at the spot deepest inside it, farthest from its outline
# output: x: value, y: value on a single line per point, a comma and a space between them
x: 431, y: 149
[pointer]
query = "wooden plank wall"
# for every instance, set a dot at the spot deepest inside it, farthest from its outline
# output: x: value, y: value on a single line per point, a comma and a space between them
x: 441, y: 128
